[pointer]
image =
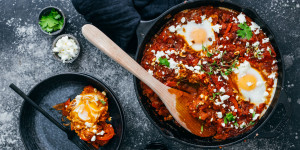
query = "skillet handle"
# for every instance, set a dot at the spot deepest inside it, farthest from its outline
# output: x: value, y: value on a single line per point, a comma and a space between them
x: 278, y: 129
x: 143, y: 29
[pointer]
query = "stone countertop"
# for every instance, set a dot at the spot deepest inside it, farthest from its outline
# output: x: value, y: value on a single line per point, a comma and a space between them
x: 25, y: 58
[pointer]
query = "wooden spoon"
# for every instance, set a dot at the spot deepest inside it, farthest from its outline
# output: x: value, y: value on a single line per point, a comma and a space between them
x: 179, y: 111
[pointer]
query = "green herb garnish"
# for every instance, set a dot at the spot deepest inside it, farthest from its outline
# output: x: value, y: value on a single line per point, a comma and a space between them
x: 253, y: 114
x: 199, y: 117
x: 251, y: 123
x: 164, y: 61
x: 51, y: 22
x: 245, y: 31
x: 202, y: 128
x: 236, y: 124
x: 229, y: 117
x: 208, y: 54
x: 214, y: 95
x: 103, y: 102
x: 269, y: 49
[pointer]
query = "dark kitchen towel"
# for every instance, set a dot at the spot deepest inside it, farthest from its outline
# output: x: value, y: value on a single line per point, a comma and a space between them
x: 119, y: 19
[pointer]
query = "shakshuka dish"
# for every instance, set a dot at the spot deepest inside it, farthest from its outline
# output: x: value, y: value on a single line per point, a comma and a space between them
x: 223, y: 59
x: 87, y: 114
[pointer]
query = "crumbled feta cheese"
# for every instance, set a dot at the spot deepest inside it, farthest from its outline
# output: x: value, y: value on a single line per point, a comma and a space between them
x: 87, y: 124
x: 224, y: 97
x: 66, y: 48
x: 232, y: 108
x: 254, y: 26
x: 222, y: 89
x: 173, y: 64
x: 235, y: 110
x: 247, y: 44
x: 182, y: 20
x: 257, y: 31
x: 234, y: 19
x: 227, y: 38
x: 203, y: 17
x: 255, y: 116
x: 241, y: 18
x: 265, y: 40
x: 223, y: 124
x: 78, y: 97
x: 251, y: 111
x: 101, y: 133
x: 219, y: 114
x: 94, y: 131
x: 255, y: 44
x: 272, y: 75
x: 210, y: 19
x: 219, y: 78
x: 172, y: 28
x: 211, y: 119
x: 223, y: 105
x: 243, y: 125
x: 215, y: 90
x: 93, y: 138
x: 150, y: 72
x: 204, y: 62
x: 217, y: 28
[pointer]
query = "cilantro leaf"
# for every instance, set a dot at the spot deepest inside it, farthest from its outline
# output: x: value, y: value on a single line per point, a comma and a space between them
x: 229, y: 117
x: 202, y: 128
x: 164, y: 61
x: 251, y: 123
x: 52, y: 21
x: 103, y: 102
x: 245, y: 31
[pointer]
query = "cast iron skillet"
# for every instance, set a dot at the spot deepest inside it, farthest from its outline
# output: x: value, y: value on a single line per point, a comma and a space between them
x: 39, y: 133
x: 147, y: 29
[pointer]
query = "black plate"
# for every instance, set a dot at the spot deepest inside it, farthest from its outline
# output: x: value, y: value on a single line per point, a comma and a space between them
x: 39, y: 133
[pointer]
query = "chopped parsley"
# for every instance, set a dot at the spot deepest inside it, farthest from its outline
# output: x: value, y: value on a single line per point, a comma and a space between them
x: 51, y: 22
x: 229, y: 117
x: 202, y: 128
x: 270, y: 51
x: 236, y: 124
x: 251, y: 123
x: 214, y: 95
x: 103, y: 102
x: 199, y: 117
x: 245, y: 31
x: 208, y: 54
x: 253, y: 114
x: 164, y: 61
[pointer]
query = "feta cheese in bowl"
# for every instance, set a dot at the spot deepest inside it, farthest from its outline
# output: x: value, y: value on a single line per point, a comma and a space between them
x: 66, y: 48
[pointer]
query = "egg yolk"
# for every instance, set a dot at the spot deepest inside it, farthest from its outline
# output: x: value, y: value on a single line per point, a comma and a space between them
x: 247, y: 82
x: 199, y: 35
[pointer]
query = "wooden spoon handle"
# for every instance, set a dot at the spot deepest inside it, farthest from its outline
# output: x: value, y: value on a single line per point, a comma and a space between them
x: 106, y: 45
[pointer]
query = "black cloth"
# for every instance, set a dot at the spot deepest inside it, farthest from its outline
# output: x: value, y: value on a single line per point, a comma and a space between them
x: 119, y: 19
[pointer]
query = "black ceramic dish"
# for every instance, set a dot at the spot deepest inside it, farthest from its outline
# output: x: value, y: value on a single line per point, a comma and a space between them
x: 39, y: 133
x: 46, y: 11
x: 147, y: 29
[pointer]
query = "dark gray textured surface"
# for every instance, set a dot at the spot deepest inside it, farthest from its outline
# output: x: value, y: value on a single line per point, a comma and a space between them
x: 25, y: 59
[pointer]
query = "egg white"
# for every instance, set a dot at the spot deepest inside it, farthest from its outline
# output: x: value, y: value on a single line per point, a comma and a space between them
x: 186, y: 30
x: 258, y: 94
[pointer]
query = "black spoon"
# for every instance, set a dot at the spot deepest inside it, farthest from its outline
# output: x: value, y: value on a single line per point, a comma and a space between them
x: 72, y: 136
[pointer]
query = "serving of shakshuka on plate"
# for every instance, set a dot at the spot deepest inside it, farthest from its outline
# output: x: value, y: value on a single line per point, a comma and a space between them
x: 223, y: 59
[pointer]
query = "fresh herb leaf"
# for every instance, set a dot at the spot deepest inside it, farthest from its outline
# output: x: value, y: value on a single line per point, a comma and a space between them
x: 245, y: 31
x: 229, y: 117
x: 164, y: 61
x: 103, y: 102
x: 251, y: 123
x: 202, y: 128
x: 214, y: 95
x: 253, y: 114
x: 236, y: 124
x: 199, y: 117
x: 51, y: 22
x: 269, y: 49
x: 225, y: 120
x: 204, y: 48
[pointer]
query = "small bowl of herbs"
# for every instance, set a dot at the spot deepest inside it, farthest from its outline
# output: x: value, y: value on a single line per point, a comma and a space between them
x: 52, y: 20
